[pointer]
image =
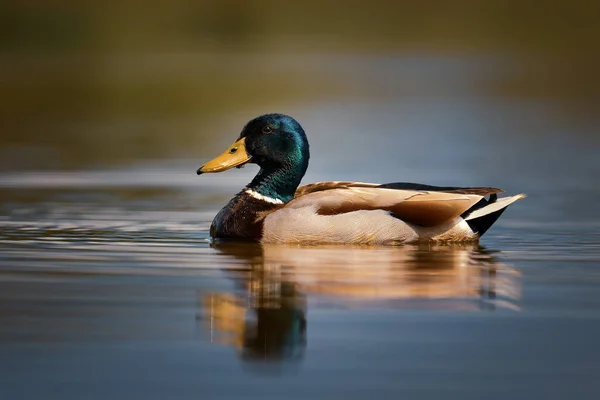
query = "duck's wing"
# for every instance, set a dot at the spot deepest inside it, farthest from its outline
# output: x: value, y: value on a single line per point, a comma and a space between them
x: 320, y: 186
x: 419, y: 207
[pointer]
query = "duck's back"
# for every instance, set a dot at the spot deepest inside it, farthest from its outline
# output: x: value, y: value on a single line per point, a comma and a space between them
x: 364, y: 213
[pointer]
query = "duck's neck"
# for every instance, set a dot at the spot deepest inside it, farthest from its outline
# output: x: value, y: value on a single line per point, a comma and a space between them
x: 278, y: 185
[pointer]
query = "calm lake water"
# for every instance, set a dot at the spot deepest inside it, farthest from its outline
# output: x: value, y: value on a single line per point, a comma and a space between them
x: 110, y: 287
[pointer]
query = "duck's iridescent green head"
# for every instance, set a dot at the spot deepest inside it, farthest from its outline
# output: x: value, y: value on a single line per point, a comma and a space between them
x: 278, y: 144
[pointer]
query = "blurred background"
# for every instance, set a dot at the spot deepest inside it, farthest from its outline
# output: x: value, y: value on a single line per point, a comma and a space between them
x: 89, y: 85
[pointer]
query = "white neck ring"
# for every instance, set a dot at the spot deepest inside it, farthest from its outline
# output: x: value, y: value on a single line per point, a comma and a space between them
x: 261, y: 197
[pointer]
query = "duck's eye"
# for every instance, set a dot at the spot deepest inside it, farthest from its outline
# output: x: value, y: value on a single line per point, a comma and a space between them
x: 267, y: 129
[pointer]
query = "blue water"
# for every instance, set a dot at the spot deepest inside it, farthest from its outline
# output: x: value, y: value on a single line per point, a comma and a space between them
x: 113, y: 291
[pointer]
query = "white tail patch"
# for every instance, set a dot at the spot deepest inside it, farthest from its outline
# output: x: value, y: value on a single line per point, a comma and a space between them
x: 495, y: 206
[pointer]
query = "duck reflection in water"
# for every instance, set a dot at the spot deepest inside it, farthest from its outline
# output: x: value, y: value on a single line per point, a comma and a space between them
x: 265, y: 319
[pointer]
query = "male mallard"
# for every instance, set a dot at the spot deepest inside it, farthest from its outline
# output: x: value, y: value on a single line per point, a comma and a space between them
x: 273, y: 209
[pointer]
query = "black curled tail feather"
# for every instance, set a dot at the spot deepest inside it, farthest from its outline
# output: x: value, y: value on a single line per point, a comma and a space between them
x: 482, y: 224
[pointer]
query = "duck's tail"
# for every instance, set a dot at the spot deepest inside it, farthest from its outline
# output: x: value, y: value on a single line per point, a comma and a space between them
x: 483, y: 214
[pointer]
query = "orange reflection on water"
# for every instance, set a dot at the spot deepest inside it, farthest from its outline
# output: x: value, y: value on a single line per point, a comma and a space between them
x: 266, y: 319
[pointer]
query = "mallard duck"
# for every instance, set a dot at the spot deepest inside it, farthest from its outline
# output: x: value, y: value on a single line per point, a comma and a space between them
x: 273, y: 209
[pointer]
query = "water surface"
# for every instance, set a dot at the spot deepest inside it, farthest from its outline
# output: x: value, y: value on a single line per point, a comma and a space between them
x: 113, y: 289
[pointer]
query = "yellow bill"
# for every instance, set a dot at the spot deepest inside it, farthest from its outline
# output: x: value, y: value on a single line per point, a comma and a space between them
x: 234, y: 156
